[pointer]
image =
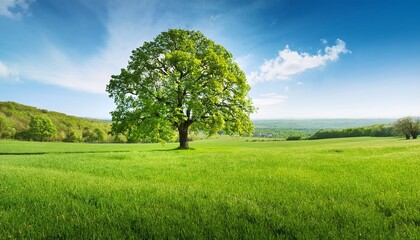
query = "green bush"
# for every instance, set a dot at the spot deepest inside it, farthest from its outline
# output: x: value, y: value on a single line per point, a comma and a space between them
x: 6, y: 129
x: 73, y: 136
x: 95, y: 135
x: 98, y: 135
x: 41, y: 128
x: 293, y: 138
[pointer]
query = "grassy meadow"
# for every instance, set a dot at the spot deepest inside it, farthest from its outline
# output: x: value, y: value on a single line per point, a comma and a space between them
x: 228, y: 188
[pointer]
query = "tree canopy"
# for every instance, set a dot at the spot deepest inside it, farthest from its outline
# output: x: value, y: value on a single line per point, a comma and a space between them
x: 41, y: 128
x: 6, y: 129
x: 180, y: 80
x: 408, y: 126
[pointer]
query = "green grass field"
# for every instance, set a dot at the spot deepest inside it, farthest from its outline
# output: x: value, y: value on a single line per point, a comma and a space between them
x: 355, y: 188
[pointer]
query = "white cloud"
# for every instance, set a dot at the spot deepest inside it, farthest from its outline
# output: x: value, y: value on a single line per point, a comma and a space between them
x: 3, y: 70
x: 299, y: 83
x: 274, y: 22
x: 215, y: 17
x: 8, y: 73
x: 289, y: 63
x: 128, y: 26
x: 268, y: 99
x: 244, y: 61
x: 14, y: 8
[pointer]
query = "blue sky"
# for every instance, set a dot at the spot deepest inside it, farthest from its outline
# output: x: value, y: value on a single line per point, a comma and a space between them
x: 303, y: 59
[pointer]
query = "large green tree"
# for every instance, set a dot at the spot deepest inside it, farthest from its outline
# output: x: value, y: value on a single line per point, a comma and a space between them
x: 180, y: 80
x: 408, y: 126
x: 6, y: 129
x: 41, y: 128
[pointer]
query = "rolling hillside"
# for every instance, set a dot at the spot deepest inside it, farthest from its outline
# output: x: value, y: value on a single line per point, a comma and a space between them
x: 318, y: 124
x: 17, y: 117
x: 15, y: 123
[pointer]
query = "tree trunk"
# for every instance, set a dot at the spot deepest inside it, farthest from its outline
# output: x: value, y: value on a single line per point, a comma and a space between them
x: 414, y: 136
x: 183, y: 136
x: 407, y: 136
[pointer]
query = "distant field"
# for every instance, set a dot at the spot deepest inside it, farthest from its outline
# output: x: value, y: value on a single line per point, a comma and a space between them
x: 230, y: 188
x: 316, y: 124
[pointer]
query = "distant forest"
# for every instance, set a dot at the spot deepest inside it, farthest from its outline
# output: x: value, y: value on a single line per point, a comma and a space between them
x: 296, y: 129
x: 23, y: 122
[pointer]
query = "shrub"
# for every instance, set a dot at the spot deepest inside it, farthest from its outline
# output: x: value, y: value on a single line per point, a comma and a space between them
x: 73, y: 136
x: 41, y: 128
x: 293, y: 138
x: 95, y: 135
x: 6, y: 129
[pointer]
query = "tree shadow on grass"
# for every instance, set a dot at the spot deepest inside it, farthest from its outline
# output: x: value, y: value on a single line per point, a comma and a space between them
x: 22, y: 153
x: 173, y: 150
x: 42, y: 153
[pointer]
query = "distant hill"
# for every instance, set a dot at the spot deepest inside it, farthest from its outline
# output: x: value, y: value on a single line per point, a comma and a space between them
x: 322, y: 128
x: 16, y: 118
x: 317, y: 124
x: 15, y: 122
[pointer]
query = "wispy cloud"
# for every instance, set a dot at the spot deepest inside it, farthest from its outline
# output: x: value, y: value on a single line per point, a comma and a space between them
x: 7, y: 73
x: 127, y: 26
x: 289, y: 62
x: 215, y: 17
x: 14, y: 9
x: 244, y: 61
x: 92, y: 73
x: 268, y: 99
